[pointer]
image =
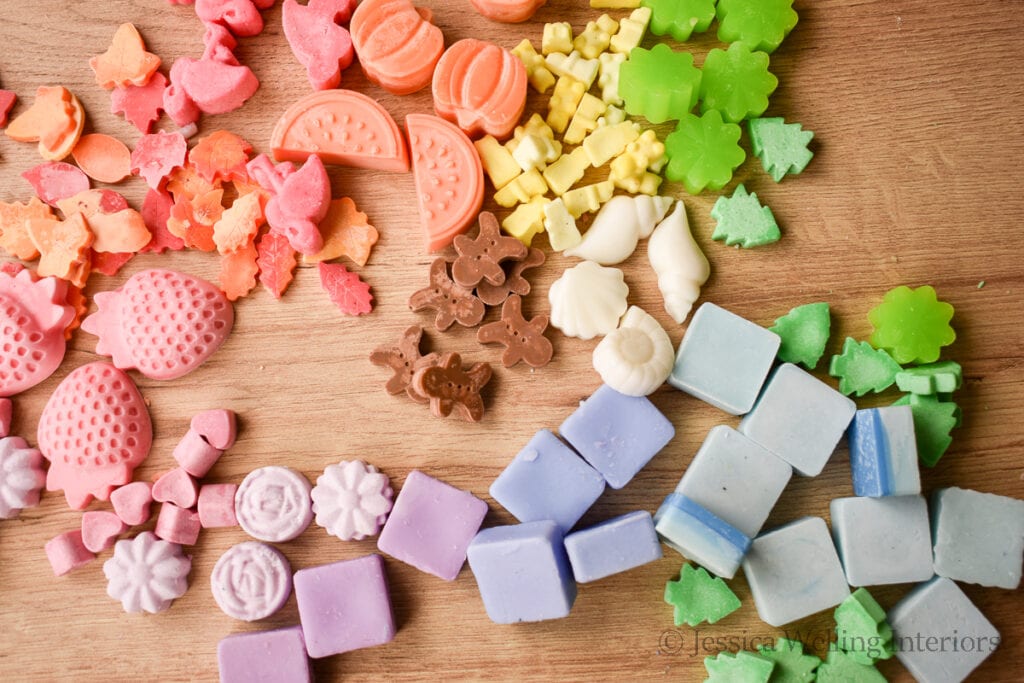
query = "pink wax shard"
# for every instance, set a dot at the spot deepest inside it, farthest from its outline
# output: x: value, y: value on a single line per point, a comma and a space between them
x: 100, y: 529
x: 278, y: 655
x: 177, y: 525
x: 140, y: 104
x: 131, y: 502
x: 318, y: 40
x: 33, y: 316
x: 94, y: 430
x: 176, y: 101
x: 156, y: 155
x: 357, y: 589
x: 156, y: 209
x: 67, y: 552
x: 299, y: 199
x: 195, y: 455
x: 56, y: 180
x: 7, y: 100
x: 218, y: 427
x: 217, y: 505
x: 164, y: 324
x: 431, y: 525
x: 6, y: 414
x: 241, y: 17
x: 176, y: 486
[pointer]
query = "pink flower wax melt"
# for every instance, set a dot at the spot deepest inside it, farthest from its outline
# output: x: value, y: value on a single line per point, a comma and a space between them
x: 431, y: 525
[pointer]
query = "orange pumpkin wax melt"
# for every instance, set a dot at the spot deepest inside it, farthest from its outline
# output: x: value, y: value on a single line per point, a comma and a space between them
x: 397, y: 45
x: 480, y: 87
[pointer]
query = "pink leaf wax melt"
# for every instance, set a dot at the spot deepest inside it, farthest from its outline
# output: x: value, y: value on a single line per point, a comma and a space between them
x: 431, y: 525
x: 95, y: 430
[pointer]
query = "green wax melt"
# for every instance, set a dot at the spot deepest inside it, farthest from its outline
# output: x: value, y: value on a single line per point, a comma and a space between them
x: 659, y: 84
x: 933, y: 421
x: 758, y: 24
x: 804, y: 332
x: 781, y: 146
x: 736, y: 82
x: 791, y: 664
x: 743, y: 667
x: 839, y: 667
x: 861, y: 629
x: 862, y: 368
x: 935, y: 378
x: 698, y: 597
x: 912, y: 324
x: 741, y: 219
x: 680, y: 18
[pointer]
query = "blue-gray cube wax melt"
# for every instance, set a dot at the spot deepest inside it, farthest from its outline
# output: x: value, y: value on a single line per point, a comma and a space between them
x: 883, y: 540
x: 700, y: 535
x: 547, y: 480
x: 938, y: 633
x: 522, y: 572
x: 883, y: 452
x: 736, y: 479
x: 799, y: 418
x: 724, y: 359
x: 617, y: 434
x: 613, y: 546
x: 794, y: 572
x: 979, y: 537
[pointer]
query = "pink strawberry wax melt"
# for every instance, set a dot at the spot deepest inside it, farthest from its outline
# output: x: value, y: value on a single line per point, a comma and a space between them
x: 95, y: 430
x: 33, y: 316
x: 164, y: 324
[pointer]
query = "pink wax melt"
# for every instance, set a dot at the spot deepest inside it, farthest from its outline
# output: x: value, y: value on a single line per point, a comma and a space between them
x: 177, y: 525
x: 100, y: 529
x: 67, y: 552
x: 217, y: 505
x: 176, y: 486
x: 131, y: 502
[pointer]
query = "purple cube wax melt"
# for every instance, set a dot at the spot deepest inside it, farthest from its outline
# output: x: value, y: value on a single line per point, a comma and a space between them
x: 613, y: 546
x: 547, y: 480
x: 264, y: 657
x: 344, y: 606
x: 617, y: 434
x: 431, y: 525
x: 522, y: 572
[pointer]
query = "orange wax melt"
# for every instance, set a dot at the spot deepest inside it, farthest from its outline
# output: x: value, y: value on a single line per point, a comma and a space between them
x: 396, y: 44
x: 480, y: 87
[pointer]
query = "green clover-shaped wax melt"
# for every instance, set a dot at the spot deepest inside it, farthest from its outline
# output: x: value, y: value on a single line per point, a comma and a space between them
x: 758, y: 24
x: 659, y: 84
x: 736, y: 82
x: 680, y: 18
x: 703, y: 152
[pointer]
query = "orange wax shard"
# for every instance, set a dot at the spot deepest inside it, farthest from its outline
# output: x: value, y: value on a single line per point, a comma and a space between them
x: 13, y: 232
x: 220, y: 156
x: 121, y: 232
x: 276, y: 263
x: 185, y: 182
x: 192, y: 219
x: 55, y: 120
x: 238, y: 272
x: 507, y: 11
x: 341, y: 127
x: 346, y: 232
x: 103, y: 158
x: 126, y: 62
x: 397, y: 45
x: 449, y: 178
x: 480, y: 87
x: 63, y: 247
x: 239, y: 224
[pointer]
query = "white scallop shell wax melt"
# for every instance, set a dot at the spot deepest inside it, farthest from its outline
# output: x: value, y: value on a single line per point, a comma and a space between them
x: 588, y: 300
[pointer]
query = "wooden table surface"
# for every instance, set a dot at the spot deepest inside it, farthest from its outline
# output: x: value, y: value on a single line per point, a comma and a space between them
x: 917, y: 110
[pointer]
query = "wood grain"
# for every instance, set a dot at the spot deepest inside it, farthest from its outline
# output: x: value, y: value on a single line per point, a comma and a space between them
x: 917, y: 106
